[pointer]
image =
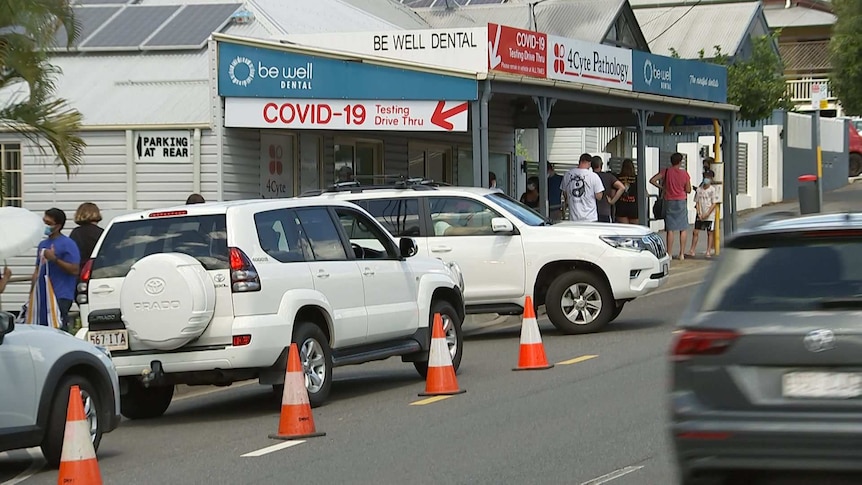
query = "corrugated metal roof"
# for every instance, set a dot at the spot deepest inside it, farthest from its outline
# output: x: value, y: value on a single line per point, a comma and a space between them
x: 587, y: 20
x: 391, y: 11
x: 137, y: 89
x: 697, y: 27
x: 678, y: 3
x: 798, y: 17
x: 321, y: 16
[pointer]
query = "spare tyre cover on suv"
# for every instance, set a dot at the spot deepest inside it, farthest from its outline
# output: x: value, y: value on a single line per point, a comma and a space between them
x: 167, y: 300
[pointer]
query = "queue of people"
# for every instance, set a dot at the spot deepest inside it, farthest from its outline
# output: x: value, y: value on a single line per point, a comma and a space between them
x: 593, y: 195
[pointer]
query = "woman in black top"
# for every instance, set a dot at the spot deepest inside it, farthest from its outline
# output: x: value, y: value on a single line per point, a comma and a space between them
x: 531, y: 197
x: 87, y: 234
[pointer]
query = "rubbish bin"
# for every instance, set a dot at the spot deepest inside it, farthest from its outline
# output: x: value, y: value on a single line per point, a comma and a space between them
x: 809, y: 196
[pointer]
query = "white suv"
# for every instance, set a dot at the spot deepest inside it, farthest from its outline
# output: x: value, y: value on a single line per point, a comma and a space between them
x: 582, y: 272
x: 215, y: 293
x: 38, y: 367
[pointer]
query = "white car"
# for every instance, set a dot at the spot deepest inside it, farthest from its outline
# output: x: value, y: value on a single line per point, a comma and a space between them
x: 215, y: 293
x: 582, y: 272
x: 38, y: 366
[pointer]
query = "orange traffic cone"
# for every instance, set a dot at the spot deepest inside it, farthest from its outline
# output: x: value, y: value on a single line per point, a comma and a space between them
x: 532, y: 353
x: 441, y: 379
x: 296, y: 421
x: 78, y: 463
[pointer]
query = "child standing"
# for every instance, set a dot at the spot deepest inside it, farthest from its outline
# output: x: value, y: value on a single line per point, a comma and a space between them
x: 705, y: 198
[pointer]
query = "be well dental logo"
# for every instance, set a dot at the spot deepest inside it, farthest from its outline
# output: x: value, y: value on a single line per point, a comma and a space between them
x: 242, y: 71
x: 663, y: 77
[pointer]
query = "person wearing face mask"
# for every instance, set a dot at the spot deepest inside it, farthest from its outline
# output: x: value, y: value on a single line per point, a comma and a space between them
x: 530, y: 198
x: 705, y: 199
x: 57, y: 257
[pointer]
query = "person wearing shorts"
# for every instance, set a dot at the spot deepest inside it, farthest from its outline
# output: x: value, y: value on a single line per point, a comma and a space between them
x: 705, y: 199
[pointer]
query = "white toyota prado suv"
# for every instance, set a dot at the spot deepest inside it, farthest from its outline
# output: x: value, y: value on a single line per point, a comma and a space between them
x: 215, y: 293
x: 582, y: 272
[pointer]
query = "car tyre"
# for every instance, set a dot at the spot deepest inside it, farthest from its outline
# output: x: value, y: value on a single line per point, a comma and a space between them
x: 316, y: 359
x: 585, y: 297
x: 52, y: 443
x: 145, y: 402
x: 617, y: 310
x: 454, y: 336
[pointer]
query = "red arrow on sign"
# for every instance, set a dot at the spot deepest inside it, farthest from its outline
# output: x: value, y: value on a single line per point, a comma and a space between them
x: 441, y: 116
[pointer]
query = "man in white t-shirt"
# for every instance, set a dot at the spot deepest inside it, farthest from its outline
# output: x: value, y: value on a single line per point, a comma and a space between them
x: 582, y: 187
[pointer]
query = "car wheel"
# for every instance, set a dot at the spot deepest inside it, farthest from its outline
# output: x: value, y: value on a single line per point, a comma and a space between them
x: 579, y: 302
x: 855, y: 164
x: 316, y: 358
x: 145, y: 402
x: 617, y: 310
x: 52, y: 444
x: 451, y: 328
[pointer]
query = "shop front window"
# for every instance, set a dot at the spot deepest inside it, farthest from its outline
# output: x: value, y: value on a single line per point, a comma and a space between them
x: 364, y: 158
x: 431, y: 162
x: 499, y: 164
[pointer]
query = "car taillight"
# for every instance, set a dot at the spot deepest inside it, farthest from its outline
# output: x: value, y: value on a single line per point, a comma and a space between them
x: 689, y: 343
x: 84, y: 283
x: 243, y: 275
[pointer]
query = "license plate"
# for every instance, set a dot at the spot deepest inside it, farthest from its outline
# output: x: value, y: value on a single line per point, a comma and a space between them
x: 110, y: 339
x: 835, y: 385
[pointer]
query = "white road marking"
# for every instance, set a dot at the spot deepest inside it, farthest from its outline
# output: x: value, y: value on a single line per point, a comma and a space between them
x: 669, y: 289
x: 613, y: 475
x: 35, y: 467
x: 273, y: 448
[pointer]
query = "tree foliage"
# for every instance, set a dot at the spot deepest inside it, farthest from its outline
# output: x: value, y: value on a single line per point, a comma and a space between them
x: 845, y: 49
x: 756, y: 84
x: 28, y: 104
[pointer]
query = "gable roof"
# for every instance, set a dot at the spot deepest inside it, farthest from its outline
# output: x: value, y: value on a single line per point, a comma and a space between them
x: 798, y: 17
x: 588, y: 20
x: 690, y: 29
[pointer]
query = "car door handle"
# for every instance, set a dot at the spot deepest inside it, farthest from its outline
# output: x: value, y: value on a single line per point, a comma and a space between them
x: 368, y: 272
x: 441, y: 249
x: 103, y: 290
x: 322, y: 274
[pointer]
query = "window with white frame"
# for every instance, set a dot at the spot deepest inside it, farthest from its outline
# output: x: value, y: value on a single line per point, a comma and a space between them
x: 10, y: 173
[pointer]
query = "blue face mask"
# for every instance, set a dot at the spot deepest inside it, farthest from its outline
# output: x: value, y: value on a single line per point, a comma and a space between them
x: 49, y: 230
x: 707, y: 181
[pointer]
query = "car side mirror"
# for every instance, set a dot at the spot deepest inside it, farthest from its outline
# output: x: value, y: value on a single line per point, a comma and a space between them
x: 7, y: 324
x: 408, y: 247
x: 502, y: 225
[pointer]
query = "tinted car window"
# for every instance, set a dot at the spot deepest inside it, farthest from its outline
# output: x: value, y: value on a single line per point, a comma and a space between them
x: 518, y: 209
x: 399, y: 216
x: 459, y: 216
x: 785, y: 275
x: 280, y: 236
x: 372, y: 242
x: 202, y: 237
x: 322, y: 233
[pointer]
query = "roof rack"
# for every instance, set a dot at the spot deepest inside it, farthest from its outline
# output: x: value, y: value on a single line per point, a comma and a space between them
x: 403, y: 183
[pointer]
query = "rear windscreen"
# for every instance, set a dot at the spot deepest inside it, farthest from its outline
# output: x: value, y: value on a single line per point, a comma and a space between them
x: 786, y: 274
x: 204, y: 238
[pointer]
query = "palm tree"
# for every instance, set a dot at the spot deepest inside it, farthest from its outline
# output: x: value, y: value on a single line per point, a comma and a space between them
x: 27, y: 102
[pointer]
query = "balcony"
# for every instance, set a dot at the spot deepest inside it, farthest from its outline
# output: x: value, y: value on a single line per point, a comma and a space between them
x: 800, y: 90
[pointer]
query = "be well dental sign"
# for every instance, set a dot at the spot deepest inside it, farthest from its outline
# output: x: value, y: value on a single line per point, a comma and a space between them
x: 679, y: 78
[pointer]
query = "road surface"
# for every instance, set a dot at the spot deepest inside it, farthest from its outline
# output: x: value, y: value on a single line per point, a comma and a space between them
x: 597, y: 417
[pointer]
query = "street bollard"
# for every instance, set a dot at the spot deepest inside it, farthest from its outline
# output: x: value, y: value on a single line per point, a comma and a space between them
x: 809, y: 197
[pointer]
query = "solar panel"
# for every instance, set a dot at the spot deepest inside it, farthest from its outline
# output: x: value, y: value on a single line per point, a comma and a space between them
x: 89, y: 19
x: 102, y: 2
x: 193, y: 25
x: 131, y: 27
